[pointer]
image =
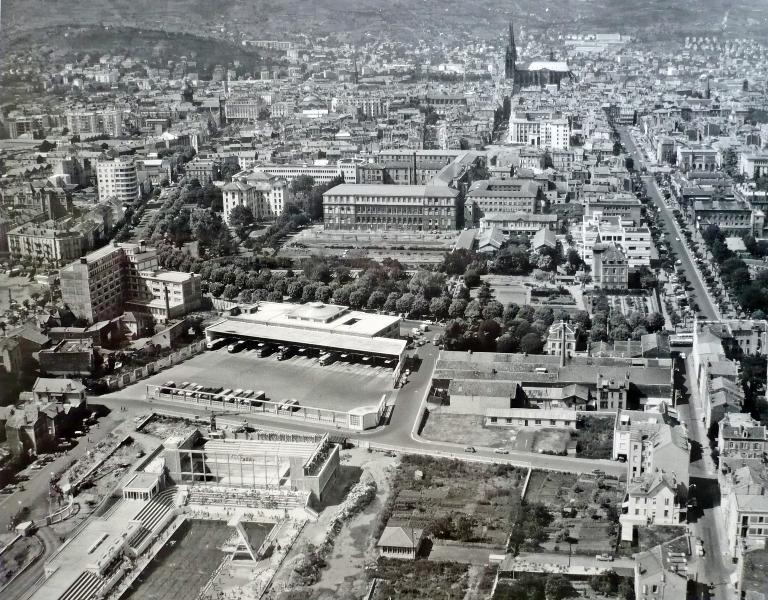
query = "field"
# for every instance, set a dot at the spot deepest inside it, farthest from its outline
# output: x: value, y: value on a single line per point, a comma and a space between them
x: 585, y: 511
x: 420, y: 579
x: 455, y: 499
x: 20, y: 288
x: 470, y: 430
x: 594, y: 439
x: 185, y: 563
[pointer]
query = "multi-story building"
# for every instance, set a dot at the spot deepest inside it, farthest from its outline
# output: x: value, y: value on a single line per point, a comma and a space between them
x: 610, y: 269
x: 634, y: 242
x: 753, y: 166
x: 264, y: 195
x: 319, y: 173
x: 561, y: 339
x: 204, y: 170
x: 652, y: 499
x: 117, y: 178
x: 741, y: 436
x: 697, y: 158
x: 746, y: 509
x: 411, y: 207
x: 504, y: 195
x: 626, y: 206
x: 119, y: 277
x: 94, y: 122
x: 732, y: 217
x: 547, y: 132
x: 44, y: 244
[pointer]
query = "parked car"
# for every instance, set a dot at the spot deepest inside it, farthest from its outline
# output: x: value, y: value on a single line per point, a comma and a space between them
x: 470, y: 449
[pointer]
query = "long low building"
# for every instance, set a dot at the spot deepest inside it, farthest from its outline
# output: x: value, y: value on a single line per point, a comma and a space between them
x: 316, y: 326
x: 409, y: 207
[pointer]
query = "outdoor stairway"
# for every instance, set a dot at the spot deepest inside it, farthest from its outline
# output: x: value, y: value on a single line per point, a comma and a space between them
x: 156, y: 509
x: 84, y: 587
x: 143, y: 534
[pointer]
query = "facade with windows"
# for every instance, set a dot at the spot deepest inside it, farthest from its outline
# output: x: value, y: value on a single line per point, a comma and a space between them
x: 405, y: 207
x: 105, y: 283
x: 117, y: 178
x: 44, y: 244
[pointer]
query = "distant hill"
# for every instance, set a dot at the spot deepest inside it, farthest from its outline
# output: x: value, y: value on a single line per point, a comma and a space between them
x: 407, y: 19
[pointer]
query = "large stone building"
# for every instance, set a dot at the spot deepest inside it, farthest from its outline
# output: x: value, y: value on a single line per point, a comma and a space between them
x: 120, y: 277
x: 536, y: 73
x: 265, y: 195
x: 44, y: 244
x: 407, y: 207
x: 503, y: 196
x: 610, y: 270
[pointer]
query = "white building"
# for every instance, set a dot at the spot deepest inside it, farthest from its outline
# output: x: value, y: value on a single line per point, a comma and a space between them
x: 634, y: 242
x: 117, y: 178
x: 266, y: 196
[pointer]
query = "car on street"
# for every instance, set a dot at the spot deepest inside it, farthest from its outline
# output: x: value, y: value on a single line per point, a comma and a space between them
x: 470, y: 449
x: 501, y: 451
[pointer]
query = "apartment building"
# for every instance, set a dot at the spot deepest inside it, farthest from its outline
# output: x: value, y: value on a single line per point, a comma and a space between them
x: 652, y: 499
x: 264, y: 195
x: 410, y: 207
x: 610, y: 269
x: 120, y: 277
x: 117, y: 178
x: 319, y: 173
x: 741, y: 436
x: 541, y: 132
x: 746, y: 508
x: 634, y: 242
x: 44, y: 244
x: 94, y: 122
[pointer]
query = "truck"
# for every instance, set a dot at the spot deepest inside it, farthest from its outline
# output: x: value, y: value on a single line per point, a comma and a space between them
x: 284, y: 352
x: 236, y: 346
x: 327, y: 358
x: 215, y: 344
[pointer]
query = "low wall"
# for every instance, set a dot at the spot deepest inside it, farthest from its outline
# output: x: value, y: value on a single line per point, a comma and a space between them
x: 116, y: 382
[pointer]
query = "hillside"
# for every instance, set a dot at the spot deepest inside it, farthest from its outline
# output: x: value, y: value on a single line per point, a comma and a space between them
x: 404, y: 19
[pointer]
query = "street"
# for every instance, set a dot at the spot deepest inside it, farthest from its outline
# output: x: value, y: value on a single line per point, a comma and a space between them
x: 706, y: 521
x: 675, y: 236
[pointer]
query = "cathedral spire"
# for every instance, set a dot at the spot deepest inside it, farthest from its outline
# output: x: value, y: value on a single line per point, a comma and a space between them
x: 510, y: 58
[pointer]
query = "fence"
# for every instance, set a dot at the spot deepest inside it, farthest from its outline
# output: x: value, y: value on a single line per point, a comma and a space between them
x: 115, y: 382
x: 241, y: 406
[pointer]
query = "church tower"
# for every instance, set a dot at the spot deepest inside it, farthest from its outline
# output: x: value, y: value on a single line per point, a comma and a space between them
x: 510, y: 58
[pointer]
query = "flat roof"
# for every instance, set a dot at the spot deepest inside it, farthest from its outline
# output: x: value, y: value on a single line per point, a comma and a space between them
x: 280, y: 334
x: 364, y: 189
x: 319, y: 316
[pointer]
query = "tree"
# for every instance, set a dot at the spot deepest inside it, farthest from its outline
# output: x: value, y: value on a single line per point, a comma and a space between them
x: 531, y: 343
x: 558, y: 588
x: 629, y: 163
x: 303, y: 183
x: 616, y: 148
x: 471, y: 278
x: 439, y: 306
x: 405, y: 303
x: 512, y: 261
x: 745, y: 85
x: 376, y: 299
x: 457, y: 308
x: 46, y: 146
x: 654, y: 322
x: 240, y: 218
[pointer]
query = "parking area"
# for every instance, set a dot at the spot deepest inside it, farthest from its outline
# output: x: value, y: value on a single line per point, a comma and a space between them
x: 340, y: 385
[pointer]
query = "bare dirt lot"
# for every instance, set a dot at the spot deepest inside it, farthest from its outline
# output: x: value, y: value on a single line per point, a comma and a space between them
x: 469, y: 429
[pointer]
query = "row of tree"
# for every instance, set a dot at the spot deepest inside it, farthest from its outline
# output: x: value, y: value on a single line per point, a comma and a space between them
x: 752, y: 294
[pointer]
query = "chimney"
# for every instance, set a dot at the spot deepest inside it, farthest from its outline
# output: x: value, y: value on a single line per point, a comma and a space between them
x: 167, y: 302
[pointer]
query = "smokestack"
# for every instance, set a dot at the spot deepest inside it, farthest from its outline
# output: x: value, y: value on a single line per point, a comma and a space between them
x: 562, y: 348
x: 167, y: 302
